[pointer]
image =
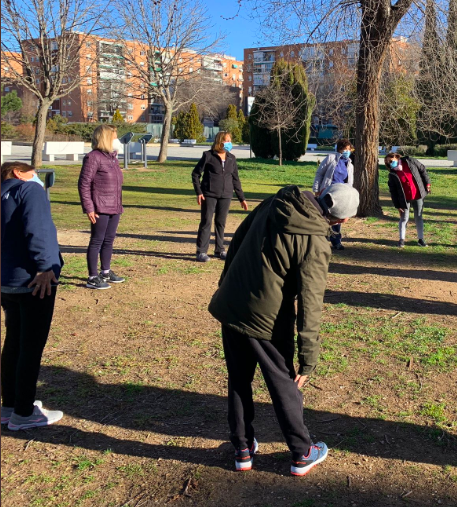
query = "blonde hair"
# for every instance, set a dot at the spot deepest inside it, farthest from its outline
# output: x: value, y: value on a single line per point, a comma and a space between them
x: 218, y: 144
x: 102, y: 138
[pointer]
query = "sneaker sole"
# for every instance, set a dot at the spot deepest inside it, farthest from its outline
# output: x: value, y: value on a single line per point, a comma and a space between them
x: 117, y: 281
x: 96, y: 288
x: 6, y: 420
x: 13, y: 427
x: 300, y: 471
x: 243, y: 467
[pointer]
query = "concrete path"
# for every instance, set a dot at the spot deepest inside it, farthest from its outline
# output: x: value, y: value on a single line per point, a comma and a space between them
x: 23, y: 154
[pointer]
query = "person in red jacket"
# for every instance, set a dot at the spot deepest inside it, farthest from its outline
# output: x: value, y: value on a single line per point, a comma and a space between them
x: 100, y: 191
x: 408, y: 183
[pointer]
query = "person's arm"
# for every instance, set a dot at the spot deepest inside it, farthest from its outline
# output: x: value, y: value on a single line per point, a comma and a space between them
x: 40, y: 235
x: 424, y: 175
x: 320, y: 173
x: 237, y: 185
x: 312, y: 282
x: 395, y: 188
x: 86, y: 177
x: 196, y: 175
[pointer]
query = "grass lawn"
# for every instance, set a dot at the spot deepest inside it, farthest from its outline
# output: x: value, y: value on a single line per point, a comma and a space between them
x: 139, y: 369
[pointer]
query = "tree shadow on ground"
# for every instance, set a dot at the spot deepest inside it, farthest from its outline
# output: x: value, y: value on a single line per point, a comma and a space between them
x: 417, y: 274
x: 390, y: 302
x: 139, y: 206
x: 184, y: 191
x: 179, y: 413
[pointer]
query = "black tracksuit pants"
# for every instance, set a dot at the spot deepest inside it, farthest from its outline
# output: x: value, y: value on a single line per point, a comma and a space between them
x: 209, y: 206
x: 242, y: 354
x: 27, y: 322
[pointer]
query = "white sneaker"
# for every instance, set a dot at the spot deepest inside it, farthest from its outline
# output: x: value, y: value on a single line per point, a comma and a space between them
x: 7, y: 412
x: 39, y: 417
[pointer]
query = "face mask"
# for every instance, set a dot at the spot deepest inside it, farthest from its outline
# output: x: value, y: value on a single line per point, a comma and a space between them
x: 35, y: 179
x: 228, y: 146
x: 394, y: 164
x: 117, y: 145
x: 346, y: 154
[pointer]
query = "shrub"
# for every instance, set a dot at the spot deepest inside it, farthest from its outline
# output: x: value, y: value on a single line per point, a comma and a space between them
x: 442, y: 149
x: 413, y: 151
x: 8, y: 131
x: 25, y: 132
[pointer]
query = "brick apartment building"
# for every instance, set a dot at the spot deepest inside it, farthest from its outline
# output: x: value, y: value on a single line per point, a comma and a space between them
x: 109, y: 82
x: 326, y: 64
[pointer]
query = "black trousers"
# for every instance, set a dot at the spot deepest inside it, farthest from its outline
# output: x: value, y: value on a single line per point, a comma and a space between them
x: 209, y: 206
x: 27, y: 322
x: 242, y: 354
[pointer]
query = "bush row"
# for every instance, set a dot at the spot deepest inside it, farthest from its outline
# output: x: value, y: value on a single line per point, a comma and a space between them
x: 440, y: 150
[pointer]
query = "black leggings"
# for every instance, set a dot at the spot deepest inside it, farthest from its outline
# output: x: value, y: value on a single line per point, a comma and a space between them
x: 210, y: 206
x: 102, y: 235
x: 27, y: 321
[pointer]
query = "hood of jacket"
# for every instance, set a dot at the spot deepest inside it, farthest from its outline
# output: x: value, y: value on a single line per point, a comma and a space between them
x: 293, y: 213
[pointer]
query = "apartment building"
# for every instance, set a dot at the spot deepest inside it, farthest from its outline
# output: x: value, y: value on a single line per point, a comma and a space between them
x: 107, y: 75
x: 326, y: 64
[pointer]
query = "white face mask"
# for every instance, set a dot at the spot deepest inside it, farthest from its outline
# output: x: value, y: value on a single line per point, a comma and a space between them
x: 117, y: 145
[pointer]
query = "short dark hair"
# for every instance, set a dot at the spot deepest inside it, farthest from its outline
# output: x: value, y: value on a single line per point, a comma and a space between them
x: 342, y: 143
x: 8, y: 168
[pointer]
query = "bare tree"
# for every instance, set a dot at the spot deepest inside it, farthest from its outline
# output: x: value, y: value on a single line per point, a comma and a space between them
x: 42, y: 42
x: 174, y: 36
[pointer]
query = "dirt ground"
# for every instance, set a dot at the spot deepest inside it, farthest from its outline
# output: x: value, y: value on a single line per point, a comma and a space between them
x: 139, y: 372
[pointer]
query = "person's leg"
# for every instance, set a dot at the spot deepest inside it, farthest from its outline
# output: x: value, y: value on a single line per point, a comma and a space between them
x: 204, y: 229
x: 106, y: 250
x: 335, y: 238
x: 418, y: 207
x: 11, y: 348
x: 222, y: 209
x: 36, y: 317
x: 97, y: 236
x: 276, y: 363
x: 241, y: 365
x: 404, y: 217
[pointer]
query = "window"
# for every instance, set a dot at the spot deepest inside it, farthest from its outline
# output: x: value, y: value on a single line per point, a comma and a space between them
x: 37, y: 70
x: 88, y: 44
x: 143, y: 107
x: 89, y: 80
x: 37, y: 81
x: 292, y: 53
x: 129, y: 95
x: 249, y: 57
x: 90, y: 114
x: 89, y: 103
x: 54, y: 46
x: 343, y: 51
x: 129, y: 106
x: 281, y: 54
x: 142, y: 53
x: 7, y: 88
x: 226, y: 75
x: 89, y: 91
x: 88, y: 57
x: 142, y: 85
x: 250, y: 77
x: 142, y: 64
x: 129, y: 117
x: 64, y: 80
x: 142, y: 117
x: 191, y: 69
x: 330, y: 64
x: 63, y: 113
x: 180, y: 69
x: 233, y: 76
x: 68, y: 102
x: 70, y: 113
x: 142, y: 97
x: 88, y: 67
x: 64, y: 102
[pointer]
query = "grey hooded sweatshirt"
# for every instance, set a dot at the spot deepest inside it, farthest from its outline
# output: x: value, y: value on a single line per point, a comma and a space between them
x: 279, y: 253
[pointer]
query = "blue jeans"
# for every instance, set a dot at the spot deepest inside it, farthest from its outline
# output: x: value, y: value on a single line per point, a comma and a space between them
x: 418, y: 206
x: 335, y: 238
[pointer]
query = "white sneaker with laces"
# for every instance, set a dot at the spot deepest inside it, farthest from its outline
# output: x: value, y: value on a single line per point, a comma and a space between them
x: 39, y: 417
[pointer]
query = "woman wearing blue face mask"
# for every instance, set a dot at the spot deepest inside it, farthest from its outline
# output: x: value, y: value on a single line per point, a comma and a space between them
x: 335, y: 168
x: 409, y: 183
x: 214, y: 193
x: 31, y: 264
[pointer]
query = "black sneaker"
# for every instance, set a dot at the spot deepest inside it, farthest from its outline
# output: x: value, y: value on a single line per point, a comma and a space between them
x: 221, y: 255
x: 111, y: 277
x: 97, y: 283
x: 421, y: 242
x: 401, y: 243
x: 339, y: 246
x: 202, y: 257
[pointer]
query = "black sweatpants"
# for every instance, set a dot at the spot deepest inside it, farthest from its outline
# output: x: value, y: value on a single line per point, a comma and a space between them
x: 276, y: 360
x: 27, y: 322
x: 209, y: 206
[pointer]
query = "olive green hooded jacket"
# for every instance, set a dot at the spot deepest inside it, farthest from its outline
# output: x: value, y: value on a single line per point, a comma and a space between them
x: 279, y: 253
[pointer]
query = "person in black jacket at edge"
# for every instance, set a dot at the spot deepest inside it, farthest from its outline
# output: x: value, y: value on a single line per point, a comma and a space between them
x: 408, y: 183
x: 215, y: 192
x: 280, y: 252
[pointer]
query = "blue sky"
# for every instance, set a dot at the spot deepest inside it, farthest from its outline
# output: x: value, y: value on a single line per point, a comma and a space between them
x: 241, y: 32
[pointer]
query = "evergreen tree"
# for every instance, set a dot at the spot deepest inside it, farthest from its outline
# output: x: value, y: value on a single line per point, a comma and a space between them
x: 195, y: 127
x: 242, y: 123
x: 231, y: 124
x: 10, y: 102
x: 231, y: 112
x: 117, y: 117
x: 260, y: 137
x: 181, y: 123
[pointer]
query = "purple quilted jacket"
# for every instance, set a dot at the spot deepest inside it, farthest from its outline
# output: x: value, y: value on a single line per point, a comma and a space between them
x: 100, y: 183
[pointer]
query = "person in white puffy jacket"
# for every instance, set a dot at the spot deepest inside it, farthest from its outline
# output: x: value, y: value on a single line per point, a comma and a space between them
x: 335, y: 168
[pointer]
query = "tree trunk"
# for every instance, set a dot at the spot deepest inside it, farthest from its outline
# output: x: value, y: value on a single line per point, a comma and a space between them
x: 40, y: 130
x: 163, y: 153
x: 373, y: 48
x: 280, y: 148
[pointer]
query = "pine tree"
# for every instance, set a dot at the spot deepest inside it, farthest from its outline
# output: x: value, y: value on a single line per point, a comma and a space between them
x: 117, y: 117
x: 231, y: 123
x: 10, y: 102
x: 195, y: 127
x: 260, y: 137
x: 231, y: 112
x: 243, y: 126
x: 181, y: 123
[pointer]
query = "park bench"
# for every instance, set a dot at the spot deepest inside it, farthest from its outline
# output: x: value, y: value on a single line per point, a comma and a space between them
x: 70, y: 149
x: 6, y: 148
x: 189, y: 142
x: 451, y: 155
x: 311, y: 147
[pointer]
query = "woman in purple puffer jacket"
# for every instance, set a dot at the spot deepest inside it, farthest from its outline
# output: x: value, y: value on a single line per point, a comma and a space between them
x: 100, y: 191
